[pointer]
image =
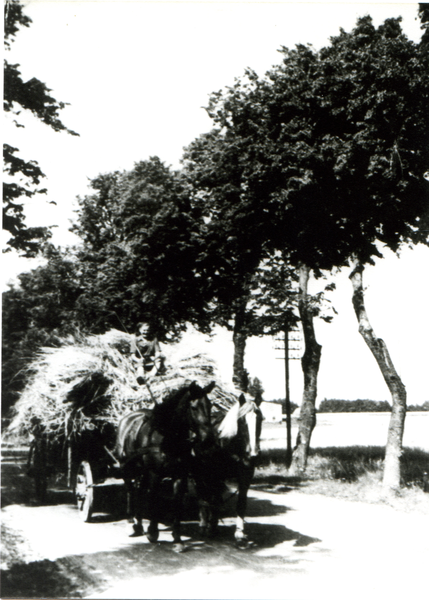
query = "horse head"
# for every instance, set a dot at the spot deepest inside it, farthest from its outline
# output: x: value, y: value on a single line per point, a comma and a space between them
x: 243, y: 424
x: 198, y: 412
x: 252, y: 415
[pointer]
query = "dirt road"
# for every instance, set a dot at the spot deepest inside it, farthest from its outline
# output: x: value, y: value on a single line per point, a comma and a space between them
x: 304, y: 547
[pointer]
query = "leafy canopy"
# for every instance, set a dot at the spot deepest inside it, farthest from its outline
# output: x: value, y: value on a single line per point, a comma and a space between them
x: 42, y: 307
x: 333, y: 146
x: 23, y: 177
x: 142, y: 243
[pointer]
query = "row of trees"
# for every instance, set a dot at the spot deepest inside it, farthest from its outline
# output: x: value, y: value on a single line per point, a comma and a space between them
x: 282, y: 402
x: 311, y: 168
x: 320, y: 163
x: 354, y: 406
x: 364, y: 406
x: 335, y: 405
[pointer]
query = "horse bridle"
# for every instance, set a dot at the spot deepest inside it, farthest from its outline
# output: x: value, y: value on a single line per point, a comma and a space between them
x: 194, y: 433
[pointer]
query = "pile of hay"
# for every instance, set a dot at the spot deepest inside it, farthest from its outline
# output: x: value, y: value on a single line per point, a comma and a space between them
x: 92, y: 380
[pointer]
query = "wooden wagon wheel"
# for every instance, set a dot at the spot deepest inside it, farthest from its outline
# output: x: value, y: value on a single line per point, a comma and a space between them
x: 84, y: 491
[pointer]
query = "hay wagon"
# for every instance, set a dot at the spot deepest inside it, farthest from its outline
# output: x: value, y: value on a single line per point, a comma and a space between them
x: 76, y: 395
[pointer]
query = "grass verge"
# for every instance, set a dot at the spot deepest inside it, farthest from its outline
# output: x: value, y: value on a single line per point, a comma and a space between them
x: 351, y: 473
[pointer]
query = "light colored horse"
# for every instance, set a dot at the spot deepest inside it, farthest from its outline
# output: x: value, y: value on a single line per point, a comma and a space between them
x: 237, y: 433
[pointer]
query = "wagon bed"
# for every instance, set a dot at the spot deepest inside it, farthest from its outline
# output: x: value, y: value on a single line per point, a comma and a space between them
x: 86, y: 464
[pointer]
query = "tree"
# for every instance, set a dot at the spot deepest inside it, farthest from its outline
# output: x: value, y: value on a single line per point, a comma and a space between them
x: 36, y: 312
x: 251, y: 283
x: 214, y: 167
x: 334, y: 148
x: 23, y: 177
x: 138, y: 261
x: 239, y: 177
x: 424, y: 18
x: 273, y: 122
x: 142, y: 245
x: 384, y: 89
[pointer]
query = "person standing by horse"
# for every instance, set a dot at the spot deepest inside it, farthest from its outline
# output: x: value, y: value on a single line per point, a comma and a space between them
x: 147, y: 353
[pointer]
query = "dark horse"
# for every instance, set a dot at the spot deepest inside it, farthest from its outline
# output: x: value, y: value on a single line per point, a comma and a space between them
x: 237, y: 433
x: 163, y: 443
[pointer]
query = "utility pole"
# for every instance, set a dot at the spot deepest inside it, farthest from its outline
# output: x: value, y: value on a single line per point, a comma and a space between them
x: 287, y: 398
x: 286, y: 358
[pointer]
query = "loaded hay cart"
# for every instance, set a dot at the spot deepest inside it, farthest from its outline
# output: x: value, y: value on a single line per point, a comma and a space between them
x: 76, y: 395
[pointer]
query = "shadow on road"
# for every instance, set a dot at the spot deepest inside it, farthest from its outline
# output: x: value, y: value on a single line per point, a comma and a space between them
x: 65, y: 578
x: 77, y: 576
x: 262, y: 535
x: 82, y: 575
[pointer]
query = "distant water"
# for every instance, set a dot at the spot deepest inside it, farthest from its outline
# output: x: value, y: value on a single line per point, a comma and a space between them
x: 353, y: 429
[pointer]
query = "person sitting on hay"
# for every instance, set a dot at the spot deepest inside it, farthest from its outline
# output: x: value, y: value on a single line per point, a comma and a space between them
x: 147, y: 354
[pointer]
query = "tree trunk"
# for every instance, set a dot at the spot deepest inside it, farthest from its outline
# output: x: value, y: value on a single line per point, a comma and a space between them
x: 240, y: 376
x: 392, y: 469
x: 310, y: 363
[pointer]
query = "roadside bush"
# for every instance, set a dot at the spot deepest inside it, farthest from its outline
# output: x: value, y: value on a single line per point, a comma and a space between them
x: 415, y: 463
x: 348, y: 464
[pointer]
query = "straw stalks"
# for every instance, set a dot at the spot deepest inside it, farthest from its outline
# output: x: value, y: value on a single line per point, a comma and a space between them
x: 87, y: 382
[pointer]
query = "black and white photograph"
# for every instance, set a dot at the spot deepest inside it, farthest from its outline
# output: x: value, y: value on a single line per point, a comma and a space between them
x: 215, y: 283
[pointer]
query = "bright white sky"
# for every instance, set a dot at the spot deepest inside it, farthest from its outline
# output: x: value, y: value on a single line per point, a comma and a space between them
x: 136, y: 75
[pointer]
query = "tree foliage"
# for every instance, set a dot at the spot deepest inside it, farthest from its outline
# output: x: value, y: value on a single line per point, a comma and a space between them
x: 233, y: 243
x: 282, y: 402
x: 250, y: 287
x: 326, y: 156
x: 424, y: 19
x: 42, y: 307
x: 334, y: 145
x: 23, y: 177
x: 138, y: 261
x: 142, y: 246
x: 354, y: 406
x: 363, y: 406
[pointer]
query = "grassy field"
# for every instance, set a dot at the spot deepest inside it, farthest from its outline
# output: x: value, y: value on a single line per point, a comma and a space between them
x: 351, y: 472
x: 352, y: 429
x: 346, y: 459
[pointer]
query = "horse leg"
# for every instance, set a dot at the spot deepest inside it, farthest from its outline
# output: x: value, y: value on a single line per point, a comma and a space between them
x: 240, y: 536
x: 40, y: 485
x: 152, y: 497
x: 129, y: 492
x: 204, y: 514
x: 207, y: 511
x: 209, y: 495
x: 209, y: 516
x: 244, y: 479
x: 134, y: 506
x: 208, y: 520
x: 152, y: 531
x: 178, y: 491
x: 214, y: 518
